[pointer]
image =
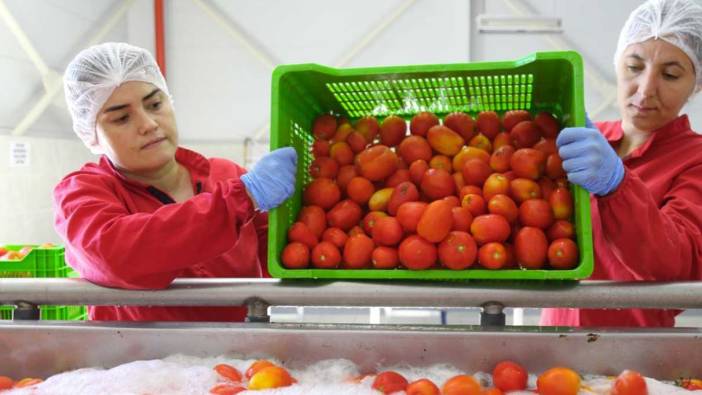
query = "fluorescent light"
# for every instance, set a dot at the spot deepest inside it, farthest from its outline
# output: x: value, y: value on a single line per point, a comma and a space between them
x: 518, y: 24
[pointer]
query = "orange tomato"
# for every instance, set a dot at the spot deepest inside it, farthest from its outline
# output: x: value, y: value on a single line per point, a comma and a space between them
x: 422, y: 387
x: 462, y: 384
x: 270, y: 377
x: 558, y: 381
x: 13, y: 255
x: 27, y: 382
x: 256, y: 366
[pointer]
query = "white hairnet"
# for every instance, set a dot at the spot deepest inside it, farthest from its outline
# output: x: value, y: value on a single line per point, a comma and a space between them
x: 679, y: 22
x: 95, y: 73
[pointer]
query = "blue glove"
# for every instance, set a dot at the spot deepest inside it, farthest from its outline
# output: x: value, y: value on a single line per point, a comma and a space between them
x: 272, y: 179
x: 589, y: 160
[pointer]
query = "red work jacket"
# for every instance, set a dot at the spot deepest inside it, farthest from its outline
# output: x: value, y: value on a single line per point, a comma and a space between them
x: 124, y: 234
x: 650, y: 228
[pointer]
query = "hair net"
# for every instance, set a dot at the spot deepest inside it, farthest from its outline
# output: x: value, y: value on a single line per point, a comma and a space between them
x: 95, y: 73
x: 679, y: 22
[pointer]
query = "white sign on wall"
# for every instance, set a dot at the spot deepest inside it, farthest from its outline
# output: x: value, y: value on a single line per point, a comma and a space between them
x: 19, y: 154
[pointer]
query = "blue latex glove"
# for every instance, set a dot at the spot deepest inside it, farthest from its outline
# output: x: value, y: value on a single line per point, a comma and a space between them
x: 589, y: 160
x: 272, y: 179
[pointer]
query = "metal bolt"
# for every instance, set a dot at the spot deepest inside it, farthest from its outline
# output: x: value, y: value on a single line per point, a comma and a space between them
x: 492, y: 314
x: 26, y: 311
x: 257, y: 310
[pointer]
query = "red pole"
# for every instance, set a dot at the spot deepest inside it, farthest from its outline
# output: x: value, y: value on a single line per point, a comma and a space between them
x: 160, y: 36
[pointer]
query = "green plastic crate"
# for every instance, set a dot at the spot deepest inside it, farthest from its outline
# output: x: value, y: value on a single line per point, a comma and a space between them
x: 544, y: 81
x: 41, y: 262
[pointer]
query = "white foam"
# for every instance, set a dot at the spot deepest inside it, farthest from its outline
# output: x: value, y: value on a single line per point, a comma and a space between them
x: 186, y: 375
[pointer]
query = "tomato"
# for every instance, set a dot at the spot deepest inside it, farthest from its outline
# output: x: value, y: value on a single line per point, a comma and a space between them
x: 226, y: 389
x: 422, y: 387
x: 270, y: 377
x: 415, y: 253
x: 256, y: 366
x: 388, y: 382
x: 457, y: 251
x: 461, y: 385
x: 6, y: 383
x: 325, y: 255
x: 358, y: 252
x: 629, y: 382
x: 509, y: 376
x: 558, y: 381
x: 296, y: 256
x: 228, y: 371
x: 324, y: 126
x: 436, y: 221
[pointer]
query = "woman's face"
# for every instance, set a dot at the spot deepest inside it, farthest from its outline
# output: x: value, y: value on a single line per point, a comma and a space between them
x: 136, y: 128
x: 654, y: 81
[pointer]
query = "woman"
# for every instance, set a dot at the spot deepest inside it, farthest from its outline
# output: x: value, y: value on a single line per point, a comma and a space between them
x: 150, y: 211
x: 645, y: 170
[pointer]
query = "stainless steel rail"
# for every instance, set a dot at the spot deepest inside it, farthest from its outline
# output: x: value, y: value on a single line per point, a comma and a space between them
x: 223, y: 292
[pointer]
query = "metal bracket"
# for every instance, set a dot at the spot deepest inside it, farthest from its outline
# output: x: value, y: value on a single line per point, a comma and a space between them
x: 257, y: 310
x: 26, y: 311
x: 492, y: 314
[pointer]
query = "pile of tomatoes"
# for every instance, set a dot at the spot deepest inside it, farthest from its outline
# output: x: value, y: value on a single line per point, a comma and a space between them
x: 261, y: 375
x: 508, y: 376
x: 7, y: 254
x: 456, y: 193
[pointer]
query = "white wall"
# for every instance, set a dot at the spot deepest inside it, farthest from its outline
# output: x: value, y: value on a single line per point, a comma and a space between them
x: 215, y: 76
x: 25, y: 196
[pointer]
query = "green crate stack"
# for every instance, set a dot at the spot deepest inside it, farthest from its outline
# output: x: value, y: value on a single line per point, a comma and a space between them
x: 543, y: 81
x: 42, y: 262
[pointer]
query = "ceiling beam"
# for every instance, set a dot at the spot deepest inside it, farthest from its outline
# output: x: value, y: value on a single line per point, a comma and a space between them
x: 53, y: 84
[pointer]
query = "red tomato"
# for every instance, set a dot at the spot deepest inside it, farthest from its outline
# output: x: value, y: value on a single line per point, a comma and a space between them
x: 6, y: 383
x: 226, y: 389
x: 388, y: 382
x: 228, y: 372
x: 509, y: 376
x: 629, y: 382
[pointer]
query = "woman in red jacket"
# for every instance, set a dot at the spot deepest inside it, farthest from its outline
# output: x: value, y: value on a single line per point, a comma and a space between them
x: 150, y: 211
x: 645, y: 170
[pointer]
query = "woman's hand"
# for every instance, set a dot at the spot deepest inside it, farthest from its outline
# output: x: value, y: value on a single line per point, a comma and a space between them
x: 589, y: 160
x: 272, y: 179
